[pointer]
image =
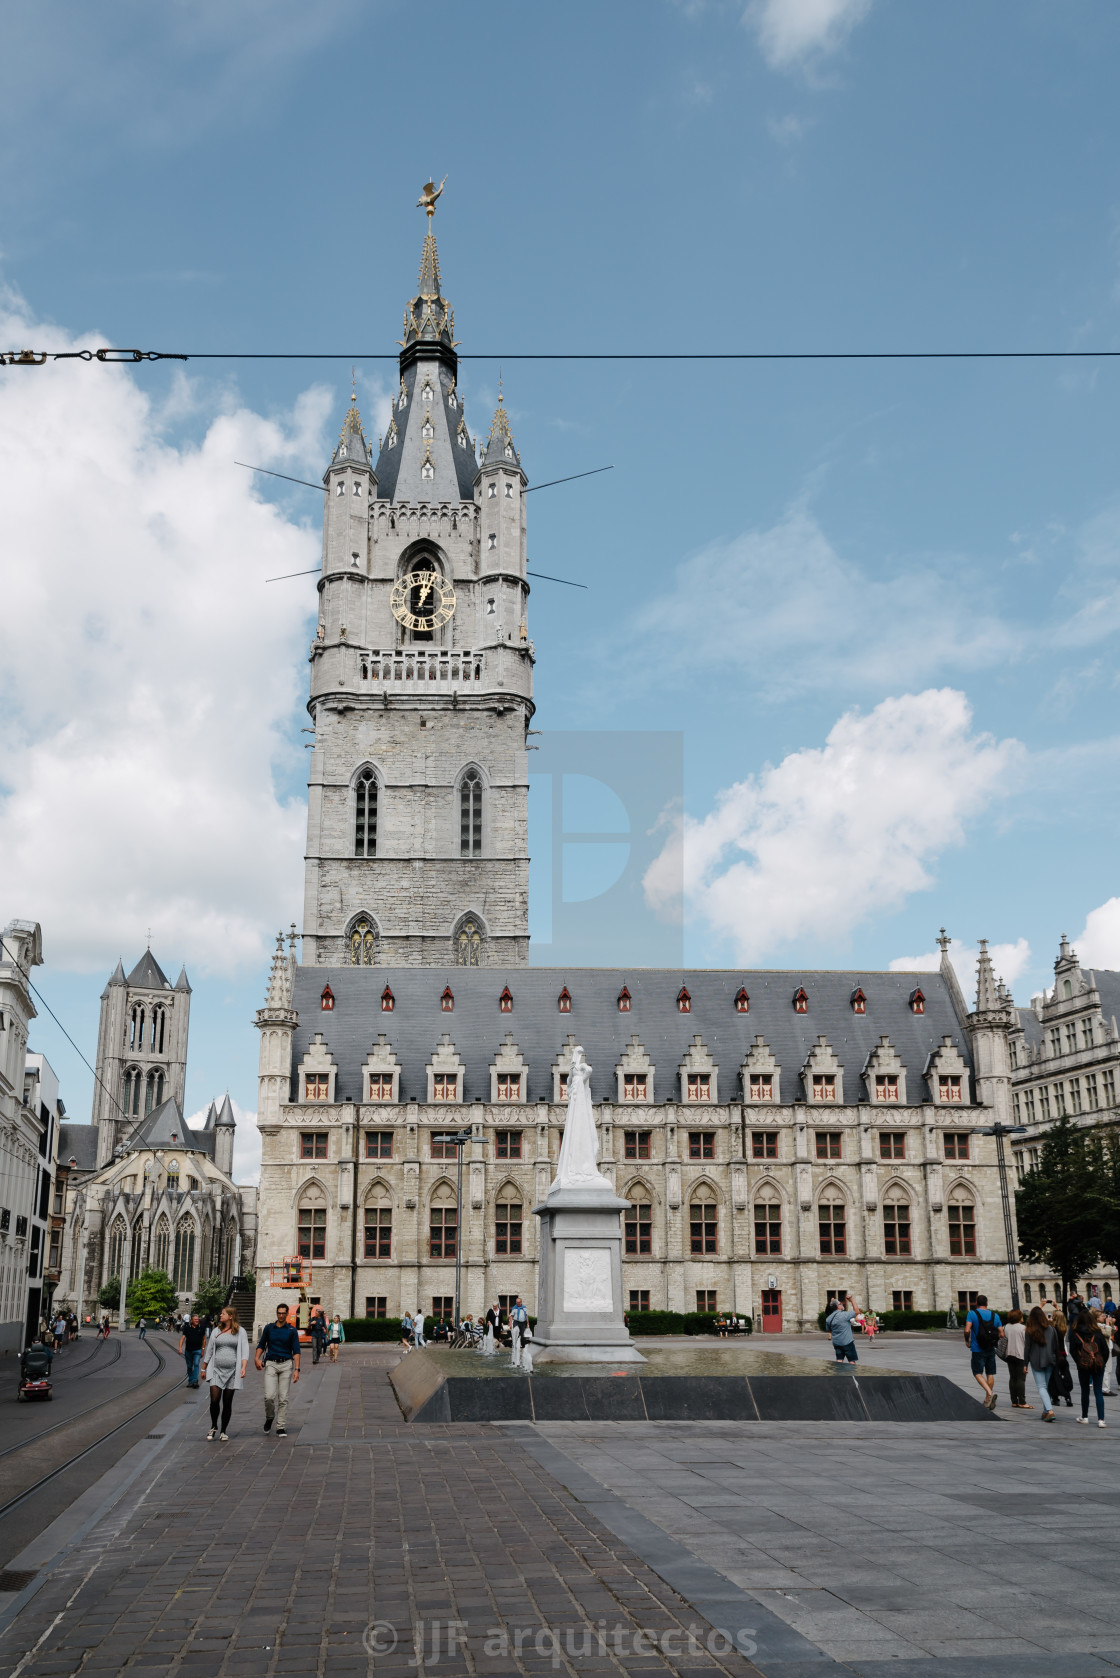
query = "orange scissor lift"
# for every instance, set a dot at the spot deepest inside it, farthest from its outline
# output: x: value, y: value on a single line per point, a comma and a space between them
x: 294, y: 1275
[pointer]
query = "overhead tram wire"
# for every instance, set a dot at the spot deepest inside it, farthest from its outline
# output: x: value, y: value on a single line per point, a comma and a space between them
x: 36, y: 358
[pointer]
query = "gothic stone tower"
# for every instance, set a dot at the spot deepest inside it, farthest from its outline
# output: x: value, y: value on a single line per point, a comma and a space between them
x: 421, y: 680
x: 141, y: 1049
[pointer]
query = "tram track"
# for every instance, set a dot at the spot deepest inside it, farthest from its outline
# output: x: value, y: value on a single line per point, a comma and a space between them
x: 71, y: 1421
x: 90, y: 1358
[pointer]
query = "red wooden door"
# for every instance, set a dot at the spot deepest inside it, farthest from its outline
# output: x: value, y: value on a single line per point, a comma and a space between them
x: 771, y: 1311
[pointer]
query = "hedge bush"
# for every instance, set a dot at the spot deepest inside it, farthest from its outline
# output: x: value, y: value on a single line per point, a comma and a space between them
x: 387, y: 1328
x: 916, y: 1319
x: 676, y: 1322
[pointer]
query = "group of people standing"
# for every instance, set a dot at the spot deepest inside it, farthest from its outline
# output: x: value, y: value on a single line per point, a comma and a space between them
x: 1085, y: 1335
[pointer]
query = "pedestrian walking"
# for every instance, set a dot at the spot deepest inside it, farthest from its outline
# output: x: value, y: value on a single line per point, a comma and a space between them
x: 318, y: 1326
x: 838, y: 1324
x: 406, y: 1331
x: 142, y: 1329
x: 418, y: 1329
x: 1061, y: 1381
x: 1042, y: 1349
x: 493, y: 1328
x: 981, y: 1333
x: 1107, y: 1329
x: 518, y: 1322
x: 105, y: 1328
x: 278, y: 1355
x: 1089, y: 1351
x: 1073, y: 1307
x: 226, y: 1358
x: 1014, y: 1345
x: 336, y: 1336
x: 191, y: 1342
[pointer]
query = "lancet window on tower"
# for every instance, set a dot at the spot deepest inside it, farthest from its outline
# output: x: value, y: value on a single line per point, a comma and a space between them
x: 470, y: 814
x: 363, y: 943
x: 468, y: 944
x: 365, y: 814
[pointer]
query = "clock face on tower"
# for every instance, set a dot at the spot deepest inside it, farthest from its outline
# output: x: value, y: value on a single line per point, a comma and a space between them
x: 423, y: 601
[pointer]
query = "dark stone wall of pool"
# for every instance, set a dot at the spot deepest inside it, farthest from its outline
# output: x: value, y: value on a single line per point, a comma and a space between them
x: 427, y: 1393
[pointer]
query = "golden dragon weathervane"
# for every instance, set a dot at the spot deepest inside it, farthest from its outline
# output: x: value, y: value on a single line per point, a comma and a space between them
x: 427, y: 198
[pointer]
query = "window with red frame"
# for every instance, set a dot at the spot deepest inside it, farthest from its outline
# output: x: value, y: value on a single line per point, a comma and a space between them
x: 832, y: 1226
x: 764, y: 1144
x: 635, y: 1144
x: 698, y: 1086
x: 638, y: 1227
x: 312, y: 1232
x: 762, y: 1086
x: 684, y: 1002
x: 442, y: 1149
x: 962, y: 1229
x: 508, y: 1144
x: 800, y: 1002
x: 445, y: 1086
x: 381, y: 1086
x: 949, y: 1088
x: 886, y: 1086
x: 377, y: 1305
x: 896, y: 1229
x: 917, y: 1002
x: 326, y: 1000
x: 957, y: 1144
x: 564, y: 1001
x: 505, y: 1001
x: 624, y: 1001
x: 634, y: 1086
x: 703, y: 1226
x: 379, y: 1144
x: 447, y: 1000
x: 507, y: 1227
x: 442, y: 1230
x: 742, y: 1002
x: 859, y: 1002
x: 701, y: 1144
x: 829, y: 1144
x: 892, y: 1144
x: 313, y: 1144
x: 388, y: 1001
x: 824, y: 1086
x: 508, y: 1086
x: 316, y: 1086
x: 379, y: 1232
x: 639, y: 1299
x: 767, y: 1227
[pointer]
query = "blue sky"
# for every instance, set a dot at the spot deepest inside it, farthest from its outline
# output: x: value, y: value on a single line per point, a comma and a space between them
x: 880, y: 600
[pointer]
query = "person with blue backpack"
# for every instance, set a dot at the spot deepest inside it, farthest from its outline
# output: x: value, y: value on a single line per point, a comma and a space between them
x: 981, y: 1333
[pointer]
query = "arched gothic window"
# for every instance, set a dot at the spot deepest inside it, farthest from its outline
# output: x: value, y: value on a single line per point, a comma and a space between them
x: 130, y: 1100
x: 363, y: 943
x: 162, y: 1245
x: 365, y: 814
x: 183, y: 1277
x: 134, y: 1264
x: 153, y: 1090
x: 703, y: 1221
x: 468, y: 944
x: 639, y: 1221
x: 470, y: 814
x: 116, y: 1247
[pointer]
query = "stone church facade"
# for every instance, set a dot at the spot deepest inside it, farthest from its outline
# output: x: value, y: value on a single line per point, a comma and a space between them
x: 142, y: 1190
x: 779, y: 1136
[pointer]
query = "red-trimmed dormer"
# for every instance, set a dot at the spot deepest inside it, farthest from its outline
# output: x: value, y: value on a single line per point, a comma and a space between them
x: 505, y: 1001
x: 684, y: 1001
x: 624, y: 1001
x: 742, y: 1001
x: 917, y: 1001
x: 388, y: 1001
x: 326, y: 999
x: 858, y: 1001
x: 564, y: 1001
x: 447, y: 1000
x: 801, y: 1000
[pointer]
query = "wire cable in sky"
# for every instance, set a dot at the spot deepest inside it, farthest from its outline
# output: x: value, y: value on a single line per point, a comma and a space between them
x: 36, y: 358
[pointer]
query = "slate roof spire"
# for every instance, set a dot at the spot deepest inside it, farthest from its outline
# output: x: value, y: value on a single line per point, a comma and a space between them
x: 226, y: 1119
x: 987, y: 992
x: 352, y: 444
x: 500, y: 445
x: 148, y: 974
x: 428, y: 317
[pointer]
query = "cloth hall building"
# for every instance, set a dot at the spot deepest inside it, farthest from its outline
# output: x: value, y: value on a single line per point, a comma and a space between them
x: 778, y: 1136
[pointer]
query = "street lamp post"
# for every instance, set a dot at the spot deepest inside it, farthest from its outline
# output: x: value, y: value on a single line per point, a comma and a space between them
x: 459, y: 1140
x: 999, y: 1131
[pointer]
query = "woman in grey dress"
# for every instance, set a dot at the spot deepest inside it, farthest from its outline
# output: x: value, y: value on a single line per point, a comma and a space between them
x: 227, y: 1358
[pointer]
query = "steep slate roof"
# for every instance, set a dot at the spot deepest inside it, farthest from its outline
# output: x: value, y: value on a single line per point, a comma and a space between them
x: 165, y: 1127
x: 78, y: 1142
x: 148, y: 974
x: 115, y: 978
x: 398, y: 468
x: 1107, y: 984
x: 477, y: 1027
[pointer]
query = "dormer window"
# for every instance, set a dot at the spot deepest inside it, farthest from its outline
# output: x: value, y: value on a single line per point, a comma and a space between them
x: 427, y: 393
x: 388, y: 1001
x: 801, y: 1000
x: 427, y: 429
x: 917, y: 1002
x: 624, y: 1001
x: 684, y: 1002
x: 858, y: 1001
x: 447, y: 1000
x: 742, y: 1003
x: 824, y: 1086
x: 505, y: 1001
x: 564, y: 1001
x: 326, y: 1000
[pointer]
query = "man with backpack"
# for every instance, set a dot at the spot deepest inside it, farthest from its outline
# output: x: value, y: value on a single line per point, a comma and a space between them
x: 982, y: 1333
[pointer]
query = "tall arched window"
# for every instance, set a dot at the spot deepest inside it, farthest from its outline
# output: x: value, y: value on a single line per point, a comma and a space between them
x: 639, y: 1221
x: 703, y: 1221
x: 365, y: 814
x: 468, y: 944
x: 896, y: 1227
x: 470, y: 814
x: 162, y: 1245
x: 130, y: 1097
x: 136, y: 1255
x: 153, y: 1090
x: 833, y: 1226
x: 363, y: 943
x: 116, y: 1247
x: 767, y: 1221
x: 311, y: 1234
x: 183, y: 1277
x: 962, y: 1224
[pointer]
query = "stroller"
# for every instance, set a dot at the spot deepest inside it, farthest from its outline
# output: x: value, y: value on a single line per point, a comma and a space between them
x: 34, y: 1373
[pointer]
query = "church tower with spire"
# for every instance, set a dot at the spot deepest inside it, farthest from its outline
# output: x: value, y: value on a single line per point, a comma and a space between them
x: 141, y: 1049
x: 421, y: 677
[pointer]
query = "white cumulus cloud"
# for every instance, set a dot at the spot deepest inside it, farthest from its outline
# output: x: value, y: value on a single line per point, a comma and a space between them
x: 832, y: 835
x: 150, y: 677
x: 1009, y: 961
x: 1098, y: 944
x: 790, y: 32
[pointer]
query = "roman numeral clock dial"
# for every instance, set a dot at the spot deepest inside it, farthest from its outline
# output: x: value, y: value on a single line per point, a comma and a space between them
x: 422, y: 600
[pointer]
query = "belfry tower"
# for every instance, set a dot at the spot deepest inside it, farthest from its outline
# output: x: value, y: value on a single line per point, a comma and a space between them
x: 421, y: 678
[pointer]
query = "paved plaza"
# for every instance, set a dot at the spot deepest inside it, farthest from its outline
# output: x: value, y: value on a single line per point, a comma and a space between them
x: 363, y: 1544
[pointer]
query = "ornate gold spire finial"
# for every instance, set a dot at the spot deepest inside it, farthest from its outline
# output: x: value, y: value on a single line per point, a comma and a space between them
x: 429, y: 193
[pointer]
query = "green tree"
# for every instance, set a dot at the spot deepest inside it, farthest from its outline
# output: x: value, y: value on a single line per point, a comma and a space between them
x: 110, y: 1294
x: 152, y: 1294
x: 1058, y: 1206
x: 211, y: 1296
x: 1105, y: 1155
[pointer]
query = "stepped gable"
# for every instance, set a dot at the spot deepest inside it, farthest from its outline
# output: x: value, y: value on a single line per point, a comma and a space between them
x: 540, y: 1030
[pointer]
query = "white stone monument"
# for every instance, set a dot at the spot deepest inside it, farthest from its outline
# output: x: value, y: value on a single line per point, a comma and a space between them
x: 579, y: 1290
